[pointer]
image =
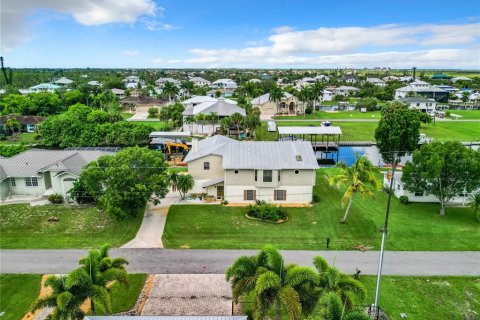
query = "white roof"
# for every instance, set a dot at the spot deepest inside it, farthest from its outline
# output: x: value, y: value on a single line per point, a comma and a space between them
x: 64, y: 80
x: 93, y: 83
x: 272, y: 155
x: 309, y: 130
x: 200, y: 99
x: 348, y: 88
x: 223, y: 81
x: 166, y: 134
x: 163, y: 80
x: 199, y: 79
x: 266, y: 98
x: 118, y: 91
x: 221, y: 107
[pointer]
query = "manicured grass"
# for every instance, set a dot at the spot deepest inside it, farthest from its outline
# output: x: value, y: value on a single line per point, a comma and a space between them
x: 17, y: 294
x: 177, y: 169
x: 124, y: 298
x: 25, y: 138
x: 156, y: 125
x: 126, y: 115
x: 365, y: 131
x: 22, y: 227
x: 335, y: 115
x: 425, y: 298
x: 467, y: 114
x: 412, y: 227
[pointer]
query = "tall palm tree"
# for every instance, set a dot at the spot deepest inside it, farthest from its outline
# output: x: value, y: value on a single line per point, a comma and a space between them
x: 356, y: 178
x: 173, y: 179
x: 252, y: 122
x: 276, y: 95
x: 274, y: 284
x: 475, y: 204
x: 200, y: 118
x: 102, y: 271
x: 189, y: 120
x: 316, y: 91
x: 225, y: 125
x: 334, y: 309
x: 66, y: 301
x: 304, y: 96
x: 187, y: 86
x: 331, y: 280
x: 236, y: 119
x: 213, y: 117
x: 170, y: 90
x: 185, y: 183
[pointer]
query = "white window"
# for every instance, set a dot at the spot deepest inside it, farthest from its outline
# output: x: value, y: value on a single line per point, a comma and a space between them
x: 13, y: 183
x: 267, y: 176
x: 280, y: 195
x: 206, y: 165
x: 31, y: 182
x: 70, y: 179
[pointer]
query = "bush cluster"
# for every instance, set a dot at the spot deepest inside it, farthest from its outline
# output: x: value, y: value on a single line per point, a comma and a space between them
x: 403, y: 199
x: 266, y: 211
x: 55, y: 198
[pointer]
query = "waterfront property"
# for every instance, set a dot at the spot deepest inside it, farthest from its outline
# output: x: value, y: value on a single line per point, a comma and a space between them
x: 420, y: 103
x: 289, y: 104
x: 424, y: 89
x: 243, y: 172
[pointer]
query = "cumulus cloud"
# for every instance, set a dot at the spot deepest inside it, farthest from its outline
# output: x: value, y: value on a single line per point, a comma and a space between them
x: 154, y: 25
x: 282, y: 29
x: 394, y: 45
x: 87, y: 12
x: 130, y: 53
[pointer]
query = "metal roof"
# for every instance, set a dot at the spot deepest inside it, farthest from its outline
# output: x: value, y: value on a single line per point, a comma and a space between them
x: 210, y: 146
x: 309, y: 130
x: 212, y: 182
x: 266, y: 98
x: 221, y: 107
x: 166, y: 317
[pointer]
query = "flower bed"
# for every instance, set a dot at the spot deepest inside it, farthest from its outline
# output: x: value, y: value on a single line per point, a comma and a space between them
x: 267, y: 212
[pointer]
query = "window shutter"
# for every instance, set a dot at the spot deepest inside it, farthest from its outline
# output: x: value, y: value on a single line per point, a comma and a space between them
x: 244, y: 195
x: 285, y: 195
x: 255, y: 195
x: 274, y: 195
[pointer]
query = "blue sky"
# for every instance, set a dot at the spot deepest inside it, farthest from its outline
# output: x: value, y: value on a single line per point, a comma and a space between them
x: 316, y: 34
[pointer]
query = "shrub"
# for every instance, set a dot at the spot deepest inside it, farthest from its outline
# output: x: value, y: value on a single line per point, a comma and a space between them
x: 316, y: 198
x: 308, y: 110
x: 368, y: 103
x: 55, y: 198
x: 11, y: 150
x: 153, y: 112
x: 267, y: 212
x: 403, y: 199
x: 448, y: 114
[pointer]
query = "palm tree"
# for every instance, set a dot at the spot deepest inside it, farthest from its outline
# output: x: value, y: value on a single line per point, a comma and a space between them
x: 200, y: 117
x: 236, y: 119
x: 475, y: 204
x: 173, y: 179
x: 170, y: 89
x: 185, y: 183
x: 274, y: 284
x: 225, y: 125
x: 102, y: 271
x: 331, y: 280
x: 213, y: 117
x: 356, y: 178
x: 66, y: 301
x: 189, y: 120
x: 316, y: 91
x: 304, y: 96
x: 334, y: 309
x: 276, y: 95
x: 12, y: 125
x: 187, y: 86
x: 252, y: 122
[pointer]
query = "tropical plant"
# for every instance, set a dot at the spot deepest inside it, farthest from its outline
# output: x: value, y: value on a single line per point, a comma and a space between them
x: 173, y: 178
x: 170, y: 90
x: 274, y: 284
x: 185, y: 183
x: 200, y: 118
x: 334, y: 309
x: 276, y: 95
x: 236, y: 119
x: 316, y: 92
x: 357, y: 178
x: 225, y: 125
x: 475, y: 204
x: 187, y: 86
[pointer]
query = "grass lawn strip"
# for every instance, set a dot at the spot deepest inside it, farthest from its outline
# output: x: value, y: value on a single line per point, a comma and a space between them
x: 413, y: 227
x: 17, y: 294
x: 25, y: 227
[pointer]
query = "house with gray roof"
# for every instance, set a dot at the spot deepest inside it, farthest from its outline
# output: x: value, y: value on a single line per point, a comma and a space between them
x: 246, y: 171
x: 37, y: 173
x: 420, y: 103
x: 63, y: 81
x: 203, y: 105
x: 199, y: 81
x: 423, y: 88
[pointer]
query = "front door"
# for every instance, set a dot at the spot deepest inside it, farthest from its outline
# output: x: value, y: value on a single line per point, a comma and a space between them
x: 219, y: 191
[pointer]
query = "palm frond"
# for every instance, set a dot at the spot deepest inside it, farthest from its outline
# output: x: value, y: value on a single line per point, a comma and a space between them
x: 300, y: 275
x: 291, y: 301
x: 320, y: 264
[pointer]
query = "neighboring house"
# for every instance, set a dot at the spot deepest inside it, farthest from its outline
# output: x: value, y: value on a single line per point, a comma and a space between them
x: 225, y: 93
x: 422, y: 88
x: 199, y: 81
x: 63, y: 81
x: 390, y: 78
x: 349, y: 79
x: 399, y: 191
x: 27, y: 123
x: 377, y: 82
x: 405, y: 78
x: 460, y: 79
x: 420, y: 103
x: 221, y: 107
x: 138, y: 101
x: 446, y: 88
x: 345, y: 90
x: 227, y: 84
x: 37, y: 173
x: 132, y: 82
x: 44, y: 87
x: 94, y: 83
x: 327, y: 95
x: 288, y: 105
x: 244, y: 172
x: 24, y: 91
x: 131, y: 79
x: 254, y: 80
x: 161, y: 82
x: 118, y: 92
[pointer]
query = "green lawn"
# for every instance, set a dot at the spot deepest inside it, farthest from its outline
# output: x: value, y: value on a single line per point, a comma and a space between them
x: 335, y: 115
x: 467, y: 114
x: 156, y: 125
x: 365, y: 131
x: 420, y: 298
x: 22, y: 227
x: 17, y: 294
x: 413, y: 227
x: 126, y: 115
x: 25, y: 138
x: 425, y: 298
x: 123, y: 298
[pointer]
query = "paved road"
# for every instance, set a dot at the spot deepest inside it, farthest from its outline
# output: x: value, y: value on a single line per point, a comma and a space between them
x: 216, y: 261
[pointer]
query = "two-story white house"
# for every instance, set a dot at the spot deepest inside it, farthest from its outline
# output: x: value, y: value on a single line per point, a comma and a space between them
x: 243, y: 172
x: 227, y: 84
x: 199, y: 81
x: 420, y: 103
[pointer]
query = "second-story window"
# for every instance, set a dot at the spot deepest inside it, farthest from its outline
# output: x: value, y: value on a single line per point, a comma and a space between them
x: 278, y: 175
x: 267, y: 176
x: 256, y: 175
x: 206, y: 165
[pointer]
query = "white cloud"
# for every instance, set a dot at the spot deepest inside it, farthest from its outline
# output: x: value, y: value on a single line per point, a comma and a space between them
x: 154, y: 25
x: 130, y: 53
x: 394, y: 45
x: 87, y: 12
x: 282, y: 29
x: 158, y: 60
x: 172, y: 61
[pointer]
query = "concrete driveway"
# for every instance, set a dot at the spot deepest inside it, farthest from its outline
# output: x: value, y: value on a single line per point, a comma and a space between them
x: 151, y: 231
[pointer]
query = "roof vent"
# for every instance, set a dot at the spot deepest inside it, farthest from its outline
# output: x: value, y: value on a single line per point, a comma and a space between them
x: 298, y: 157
